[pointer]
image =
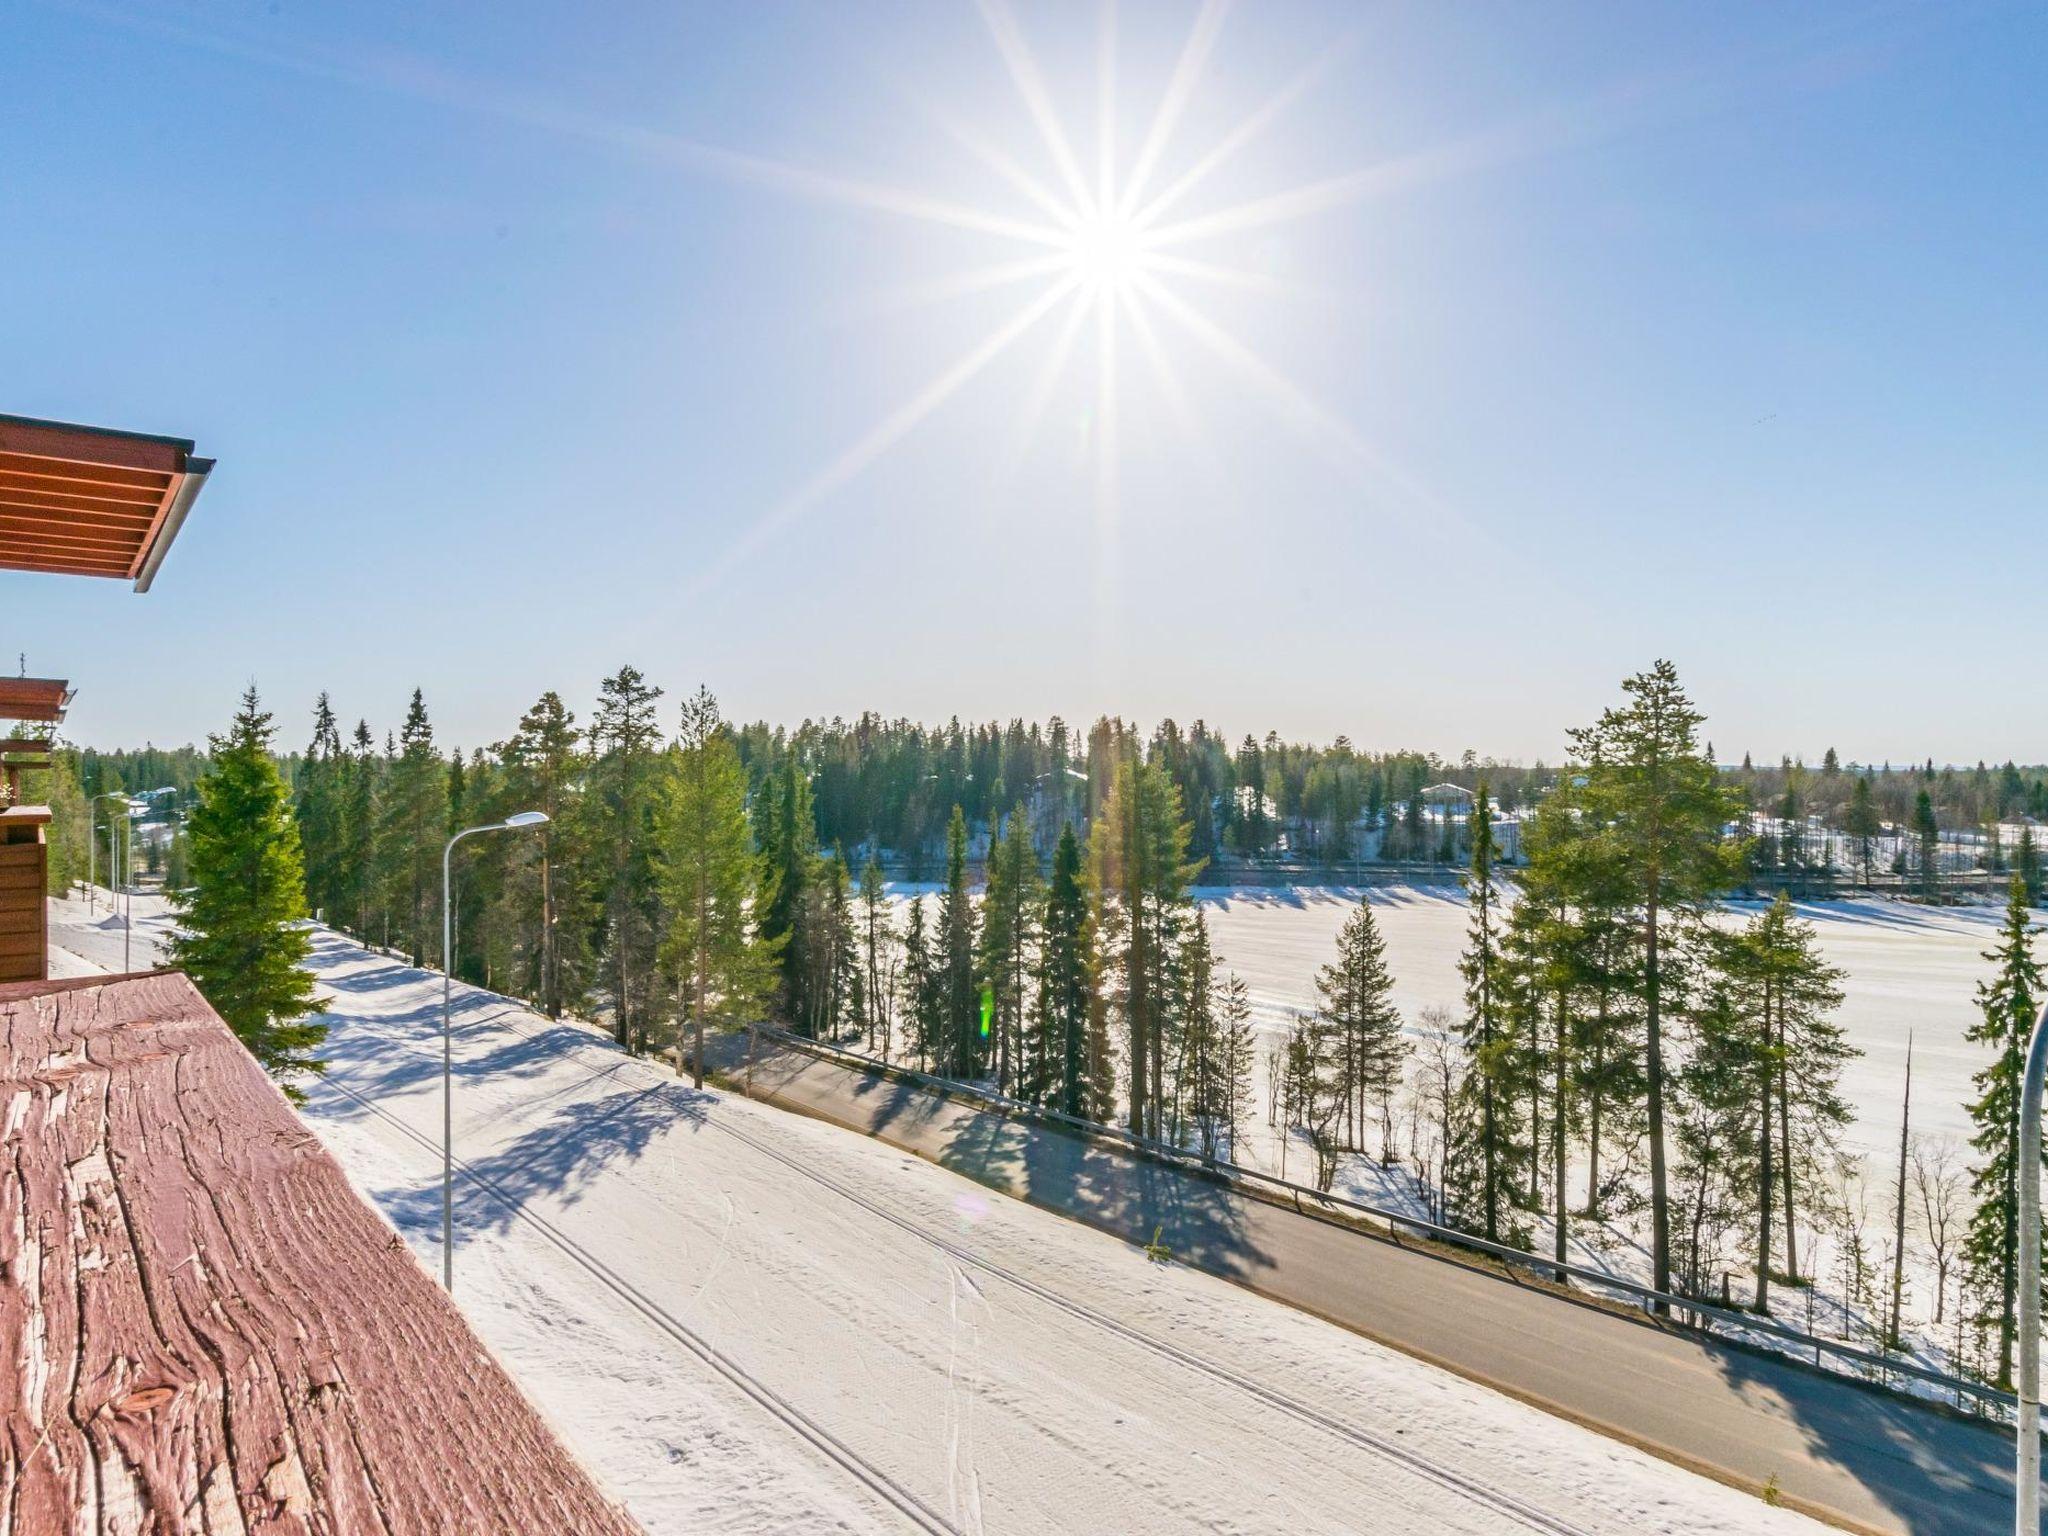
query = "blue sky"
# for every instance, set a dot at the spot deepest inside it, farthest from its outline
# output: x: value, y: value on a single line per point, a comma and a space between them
x: 534, y: 339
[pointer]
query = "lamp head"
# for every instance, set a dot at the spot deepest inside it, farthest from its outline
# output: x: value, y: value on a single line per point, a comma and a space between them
x: 527, y: 819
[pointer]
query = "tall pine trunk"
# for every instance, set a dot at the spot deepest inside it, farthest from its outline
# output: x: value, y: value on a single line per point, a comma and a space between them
x: 1786, y: 1175
x: 1765, y: 1173
x: 1660, y: 1193
x: 1559, y: 1200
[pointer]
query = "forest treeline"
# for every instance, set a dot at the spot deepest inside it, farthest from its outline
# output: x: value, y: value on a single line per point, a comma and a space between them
x: 1627, y: 1050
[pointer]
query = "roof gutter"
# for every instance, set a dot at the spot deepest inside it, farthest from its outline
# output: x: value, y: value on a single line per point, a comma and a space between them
x: 196, y: 471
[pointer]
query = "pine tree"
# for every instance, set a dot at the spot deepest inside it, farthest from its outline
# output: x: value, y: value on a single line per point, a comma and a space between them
x: 711, y: 880
x: 543, y: 770
x: 239, y: 937
x: 1138, y: 878
x: 877, y: 935
x: 625, y: 738
x: 2008, y: 1004
x: 1659, y: 806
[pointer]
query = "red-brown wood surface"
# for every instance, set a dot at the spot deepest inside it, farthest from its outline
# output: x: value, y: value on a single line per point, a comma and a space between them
x: 206, y: 1329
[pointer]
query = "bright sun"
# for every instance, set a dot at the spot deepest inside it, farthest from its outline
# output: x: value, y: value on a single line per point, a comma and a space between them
x: 1113, y: 251
x: 1106, y: 253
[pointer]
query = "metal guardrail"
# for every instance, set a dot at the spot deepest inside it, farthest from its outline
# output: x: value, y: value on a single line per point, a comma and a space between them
x: 2001, y: 1402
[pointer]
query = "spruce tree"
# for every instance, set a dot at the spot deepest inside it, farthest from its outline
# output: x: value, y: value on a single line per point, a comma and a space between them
x: 319, y: 812
x: 920, y: 987
x: 1060, y: 1058
x: 1367, y: 1051
x: 2027, y: 865
x: 1784, y: 1039
x: 1927, y: 839
x: 1240, y: 1043
x: 239, y: 934
x: 412, y: 830
x: 358, y: 895
x: 1483, y: 1170
x: 1863, y: 824
x: 2008, y: 1005
x: 1196, y: 1080
x: 1009, y: 922
x: 1715, y: 1130
x: 961, y: 1051
x: 787, y: 831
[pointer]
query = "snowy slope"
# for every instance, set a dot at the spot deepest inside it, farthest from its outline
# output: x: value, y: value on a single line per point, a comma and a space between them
x: 744, y: 1320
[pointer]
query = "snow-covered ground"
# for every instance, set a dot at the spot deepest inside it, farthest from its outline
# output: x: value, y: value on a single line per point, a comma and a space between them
x: 1911, y: 971
x: 744, y: 1320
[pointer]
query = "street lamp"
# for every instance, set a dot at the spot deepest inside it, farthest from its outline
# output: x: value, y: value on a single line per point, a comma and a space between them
x: 516, y: 820
x: 134, y: 808
x: 92, y: 849
x: 2027, y: 1478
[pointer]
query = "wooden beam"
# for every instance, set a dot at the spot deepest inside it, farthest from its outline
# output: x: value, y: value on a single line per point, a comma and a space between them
x: 66, y: 541
x: 56, y: 567
x: 87, y: 445
x: 57, y: 470
x: 35, y: 531
x: 70, y: 494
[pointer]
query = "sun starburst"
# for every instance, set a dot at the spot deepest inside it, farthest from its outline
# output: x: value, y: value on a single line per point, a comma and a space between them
x: 1113, y: 252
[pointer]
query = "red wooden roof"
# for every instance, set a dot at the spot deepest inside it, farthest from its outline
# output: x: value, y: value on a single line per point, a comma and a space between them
x: 206, y: 1328
x: 34, y: 698
x: 86, y: 501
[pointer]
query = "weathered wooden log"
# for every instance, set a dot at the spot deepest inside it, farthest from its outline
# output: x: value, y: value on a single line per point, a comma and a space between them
x: 205, y: 1328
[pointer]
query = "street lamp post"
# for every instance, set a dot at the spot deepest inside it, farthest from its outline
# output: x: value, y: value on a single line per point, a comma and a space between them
x: 128, y: 888
x: 516, y: 820
x: 2027, y: 1475
x: 92, y: 849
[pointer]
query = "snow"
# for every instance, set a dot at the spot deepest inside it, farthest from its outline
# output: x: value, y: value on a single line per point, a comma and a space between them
x: 745, y: 1320
x: 1911, y: 970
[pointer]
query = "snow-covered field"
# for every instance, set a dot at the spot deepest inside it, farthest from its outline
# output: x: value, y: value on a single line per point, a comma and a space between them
x: 748, y: 1321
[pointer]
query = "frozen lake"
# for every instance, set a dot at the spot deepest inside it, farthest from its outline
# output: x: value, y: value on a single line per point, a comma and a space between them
x: 1910, y: 969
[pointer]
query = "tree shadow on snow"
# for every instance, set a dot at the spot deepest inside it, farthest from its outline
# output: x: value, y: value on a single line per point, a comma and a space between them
x: 557, y: 1159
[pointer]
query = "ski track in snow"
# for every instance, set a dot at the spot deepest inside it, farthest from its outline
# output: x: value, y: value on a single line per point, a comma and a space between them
x: 1062, y: 1381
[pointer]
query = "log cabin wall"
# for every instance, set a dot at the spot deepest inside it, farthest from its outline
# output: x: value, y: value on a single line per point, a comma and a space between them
x: 24, y: 885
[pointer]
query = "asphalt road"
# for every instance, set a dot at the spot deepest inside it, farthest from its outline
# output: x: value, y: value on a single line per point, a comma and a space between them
x: 1856, y: 1457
